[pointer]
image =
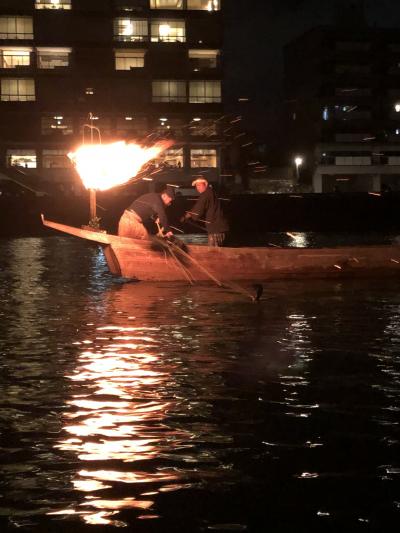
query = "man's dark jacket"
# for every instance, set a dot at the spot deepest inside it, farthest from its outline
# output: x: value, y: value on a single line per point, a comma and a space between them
x: 150, y: 206
x: 208, y: 207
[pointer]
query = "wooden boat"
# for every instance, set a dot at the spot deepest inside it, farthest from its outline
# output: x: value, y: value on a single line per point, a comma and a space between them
x: 152, y: 260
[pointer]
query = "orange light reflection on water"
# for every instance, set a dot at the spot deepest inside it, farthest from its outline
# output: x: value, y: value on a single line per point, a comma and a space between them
x: 115, y: 417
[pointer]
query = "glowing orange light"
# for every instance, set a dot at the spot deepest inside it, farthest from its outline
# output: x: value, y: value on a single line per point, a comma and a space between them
x: 103, y: 166
x: 119, y: 504
x: 129, y: 477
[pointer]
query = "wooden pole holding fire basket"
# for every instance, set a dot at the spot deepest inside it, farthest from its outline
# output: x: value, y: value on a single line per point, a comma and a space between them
x: 92, y: 204
x: 92, y: 192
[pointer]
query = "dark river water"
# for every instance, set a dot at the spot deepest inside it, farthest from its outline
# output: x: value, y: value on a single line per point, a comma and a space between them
x: 168, y: 408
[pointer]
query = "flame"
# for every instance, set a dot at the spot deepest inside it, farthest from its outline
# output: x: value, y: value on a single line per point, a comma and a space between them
x: 103, y: 166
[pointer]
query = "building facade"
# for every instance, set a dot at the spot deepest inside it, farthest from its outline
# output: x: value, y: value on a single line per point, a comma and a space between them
x: 74, y: 71
x: 343, y: 107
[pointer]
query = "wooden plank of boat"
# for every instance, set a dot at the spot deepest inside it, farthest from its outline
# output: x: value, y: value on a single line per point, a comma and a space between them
x: 148, y: 260
x: 90, y: 235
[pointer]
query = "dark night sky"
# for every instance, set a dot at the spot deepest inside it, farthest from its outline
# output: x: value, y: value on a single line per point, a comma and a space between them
x: 257, y: 30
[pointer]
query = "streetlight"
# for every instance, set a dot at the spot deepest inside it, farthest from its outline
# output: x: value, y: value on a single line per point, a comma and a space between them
x: 298, y: 161
x: 397, y: 107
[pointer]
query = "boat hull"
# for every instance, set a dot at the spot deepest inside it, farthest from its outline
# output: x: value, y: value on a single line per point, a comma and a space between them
x: 257, y: 264
x: 153, y: 261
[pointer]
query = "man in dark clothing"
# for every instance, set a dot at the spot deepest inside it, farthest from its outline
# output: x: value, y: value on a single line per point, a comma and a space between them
x: 209, y: 208
x: 150, y: 206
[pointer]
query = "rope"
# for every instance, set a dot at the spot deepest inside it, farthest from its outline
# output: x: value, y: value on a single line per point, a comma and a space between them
x: 176, y: 250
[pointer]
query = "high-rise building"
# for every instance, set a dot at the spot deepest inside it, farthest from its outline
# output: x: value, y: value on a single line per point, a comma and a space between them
x: 72, y: 71
x: 343, y: 105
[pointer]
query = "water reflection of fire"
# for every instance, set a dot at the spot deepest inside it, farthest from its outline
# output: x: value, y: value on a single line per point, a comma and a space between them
x: 117, y: 418
x: 139, y: 421
x: 103, y: 166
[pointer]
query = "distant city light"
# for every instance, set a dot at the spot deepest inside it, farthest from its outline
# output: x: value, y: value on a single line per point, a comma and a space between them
x: 298, y: 161
x: 397, y: 108
x: 196, y: 119
x: 128, y: 118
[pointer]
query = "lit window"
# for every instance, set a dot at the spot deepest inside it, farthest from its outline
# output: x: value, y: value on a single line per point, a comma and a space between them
x: 16, y: 28
x: 53, y: 4
x: 49, y: 58
x: 21, y: 158
x: 204, y: 92
x: 17, y: 90
x: 203, y: 158
x: 55, y: 159
x: 129, y: 59
x: 204, y: 5
x: 169, y: 91
x: 166, y: 4
x: 205, y: 127
x: 15, y: 57
x: 130, y: 30
x: 171, y: 158
x: 57, y: 124
x: 203, y: 59
x: 168, y: 31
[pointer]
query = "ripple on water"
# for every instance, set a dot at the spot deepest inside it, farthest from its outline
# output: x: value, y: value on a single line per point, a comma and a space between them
x: 162, y: 406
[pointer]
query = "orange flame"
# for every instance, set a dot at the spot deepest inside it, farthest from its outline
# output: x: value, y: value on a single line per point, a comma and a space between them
x: 103, y: 166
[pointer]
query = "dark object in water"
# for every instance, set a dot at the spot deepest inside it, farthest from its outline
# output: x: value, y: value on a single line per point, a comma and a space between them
x: 259, y: 290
